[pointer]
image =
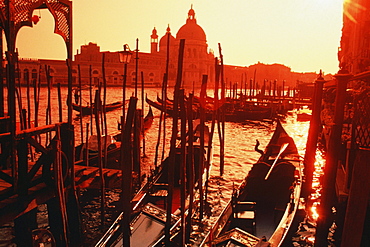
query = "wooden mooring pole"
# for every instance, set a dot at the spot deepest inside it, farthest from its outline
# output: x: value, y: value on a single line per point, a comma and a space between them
x: 1, y: 75
x: 313, y: 134
x: 127, y: 166
x: 330, y: 171
x: 183, y: 167
x: 221, y: 124
x: 136, y: 145
x: 203, y: 95
x: 172, y: 155
x: 190, y: 167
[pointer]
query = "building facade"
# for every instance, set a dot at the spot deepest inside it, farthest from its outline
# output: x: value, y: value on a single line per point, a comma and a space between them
x: 354, y: 51
x: 151, y: 66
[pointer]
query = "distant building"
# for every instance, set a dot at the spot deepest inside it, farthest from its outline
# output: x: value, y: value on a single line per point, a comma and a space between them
x: 354, y: 51
x: 198, y: 60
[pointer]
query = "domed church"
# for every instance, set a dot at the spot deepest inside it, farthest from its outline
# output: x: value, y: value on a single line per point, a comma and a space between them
x: 163, y: 56
x: 198, y: 61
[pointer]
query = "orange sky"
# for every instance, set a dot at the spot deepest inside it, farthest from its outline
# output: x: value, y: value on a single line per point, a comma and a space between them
x: 302, y: 34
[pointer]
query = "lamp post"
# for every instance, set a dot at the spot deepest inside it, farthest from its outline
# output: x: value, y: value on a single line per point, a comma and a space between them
x: 126, y: 152
x: 124, y: 57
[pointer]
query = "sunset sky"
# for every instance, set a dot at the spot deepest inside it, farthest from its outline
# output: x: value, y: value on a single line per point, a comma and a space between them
x: 301, y: 34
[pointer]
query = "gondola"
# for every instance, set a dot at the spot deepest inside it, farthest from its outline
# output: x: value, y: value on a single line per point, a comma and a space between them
x: 160, y: 106
x: 304, y: 114
x: 113, y: 144
x: 264, y: 206
x: 232, y: 113
x: 149, y: 203
x: 88, y: 110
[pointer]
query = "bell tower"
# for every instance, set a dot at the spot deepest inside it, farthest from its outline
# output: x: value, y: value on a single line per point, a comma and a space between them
x: 154, y: 41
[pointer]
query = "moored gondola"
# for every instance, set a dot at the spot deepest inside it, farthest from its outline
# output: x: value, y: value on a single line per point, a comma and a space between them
x: 149, y: 205
x: 232, y: 112
x: 113, y: 146
x: 90, y: 109
x: 264, y: 206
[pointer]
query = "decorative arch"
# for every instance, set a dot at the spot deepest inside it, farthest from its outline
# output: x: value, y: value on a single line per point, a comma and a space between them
x: 133, y: 77
x: 192, y: 66
x: 52, y: 71
x: 115, y: 76
x: 151, y: 77
x: 95, y: 73
x: 15, y: 14
x: 18, y: 13
x: 34, y: 74
x: 26, y: 75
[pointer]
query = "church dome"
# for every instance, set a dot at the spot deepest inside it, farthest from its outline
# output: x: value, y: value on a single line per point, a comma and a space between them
x: 191, y: 30
x: 163, y: 40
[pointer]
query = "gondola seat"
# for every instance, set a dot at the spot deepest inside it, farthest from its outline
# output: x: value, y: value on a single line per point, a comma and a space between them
x: 159, y: 190
x: 245, y: 211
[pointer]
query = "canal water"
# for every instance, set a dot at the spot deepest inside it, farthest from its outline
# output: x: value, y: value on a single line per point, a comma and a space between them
x: 240, y: 139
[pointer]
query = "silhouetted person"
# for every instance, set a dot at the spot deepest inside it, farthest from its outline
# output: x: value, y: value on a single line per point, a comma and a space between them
x: 77, y: 95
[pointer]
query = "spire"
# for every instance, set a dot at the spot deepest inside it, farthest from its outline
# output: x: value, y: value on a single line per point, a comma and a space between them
x: 191, y: 15
x: 154, y: 34
x: 168, y: 29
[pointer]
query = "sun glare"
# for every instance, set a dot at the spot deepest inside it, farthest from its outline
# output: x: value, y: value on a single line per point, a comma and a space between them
x: 350, y: 8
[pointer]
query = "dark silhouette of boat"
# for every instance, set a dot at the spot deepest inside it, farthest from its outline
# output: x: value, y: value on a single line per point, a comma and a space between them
x: 264, y: 206
x: 88, y: 110
x: 113, y: 145
x: 149, y: 203
x: 233, y: 112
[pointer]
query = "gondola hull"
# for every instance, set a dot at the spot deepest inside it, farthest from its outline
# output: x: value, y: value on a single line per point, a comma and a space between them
x: 113, y: 151
x: 264, y: 206
x: 231, y: 115
x: 89, y: 110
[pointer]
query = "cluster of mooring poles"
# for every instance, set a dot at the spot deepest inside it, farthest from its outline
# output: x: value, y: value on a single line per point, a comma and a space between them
x: 182, y: 124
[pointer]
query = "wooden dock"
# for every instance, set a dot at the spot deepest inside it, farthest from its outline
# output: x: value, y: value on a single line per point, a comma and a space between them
x: 13, y: 205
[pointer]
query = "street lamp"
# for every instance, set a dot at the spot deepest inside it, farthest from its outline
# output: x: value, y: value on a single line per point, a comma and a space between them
x: 124, y: 57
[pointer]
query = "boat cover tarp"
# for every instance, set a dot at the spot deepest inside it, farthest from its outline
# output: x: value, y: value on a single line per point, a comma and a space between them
x: 146, y: 230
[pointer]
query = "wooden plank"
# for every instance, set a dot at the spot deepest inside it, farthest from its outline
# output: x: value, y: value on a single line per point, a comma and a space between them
x: 4, y: 118
x: 31, y: 132
x: 15, y: 206
x: 36, y: 131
